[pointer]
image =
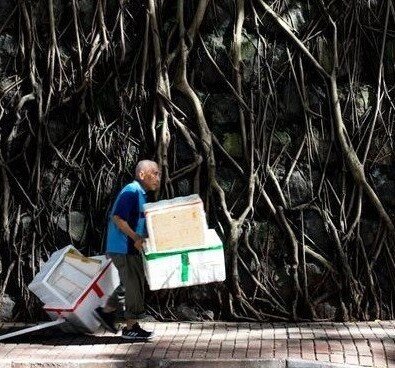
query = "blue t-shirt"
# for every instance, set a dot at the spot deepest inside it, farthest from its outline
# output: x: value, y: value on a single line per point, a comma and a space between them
x: 129, y: 206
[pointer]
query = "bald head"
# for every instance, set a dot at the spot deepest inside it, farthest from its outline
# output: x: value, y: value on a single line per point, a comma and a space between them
x: 145, y: 165
x: 148, y: 174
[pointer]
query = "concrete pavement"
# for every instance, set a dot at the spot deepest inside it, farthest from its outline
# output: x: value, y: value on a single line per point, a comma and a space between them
x: 210, y: 344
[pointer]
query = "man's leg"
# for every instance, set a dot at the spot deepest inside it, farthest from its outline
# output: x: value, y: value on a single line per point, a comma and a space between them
x: 106, y: 315
x: 134, y: 298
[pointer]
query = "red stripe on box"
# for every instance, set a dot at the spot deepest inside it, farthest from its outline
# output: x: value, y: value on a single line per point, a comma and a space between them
x: 98, y: 290
x: 94, y: 286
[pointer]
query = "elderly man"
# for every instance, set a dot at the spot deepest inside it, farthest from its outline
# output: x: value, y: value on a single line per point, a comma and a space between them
x: 125, y: 238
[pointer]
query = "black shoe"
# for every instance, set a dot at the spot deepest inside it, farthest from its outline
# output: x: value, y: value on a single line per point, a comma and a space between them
x: 136, y: 333
x: 106, y: 319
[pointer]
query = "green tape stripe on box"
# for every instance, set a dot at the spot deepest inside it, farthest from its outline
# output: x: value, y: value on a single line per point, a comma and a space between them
x: 184, y: 258
x: 184, y: 267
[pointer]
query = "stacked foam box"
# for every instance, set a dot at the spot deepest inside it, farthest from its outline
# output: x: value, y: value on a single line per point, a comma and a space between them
x: 72, y: 286
x: 176, y: 223
x: 180, y: 249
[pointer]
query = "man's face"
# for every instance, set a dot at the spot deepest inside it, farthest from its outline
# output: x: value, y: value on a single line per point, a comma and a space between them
x: 150, y: 178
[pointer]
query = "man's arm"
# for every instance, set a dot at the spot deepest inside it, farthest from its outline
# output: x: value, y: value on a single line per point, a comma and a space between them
x: 127, y: 230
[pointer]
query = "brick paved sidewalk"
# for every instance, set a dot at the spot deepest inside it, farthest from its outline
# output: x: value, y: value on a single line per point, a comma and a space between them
x: 369, y: 344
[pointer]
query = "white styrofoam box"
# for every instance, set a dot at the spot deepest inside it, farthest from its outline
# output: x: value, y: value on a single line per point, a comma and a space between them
x: 95, y: 294
x: 68, y: 281
x: 87, y: 265
x: 186, y: 267
x: 40, y: 287
x: 58, y: 281
x: 176, y: 223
